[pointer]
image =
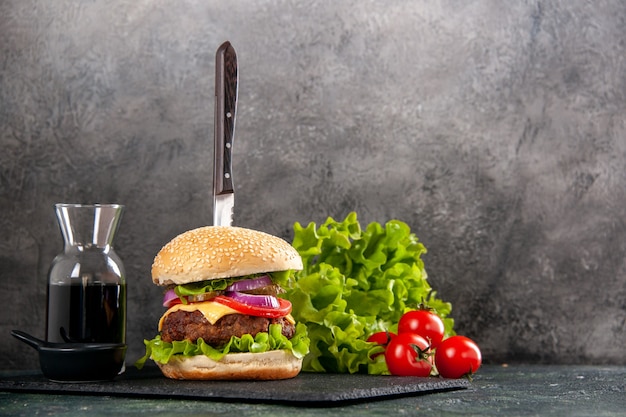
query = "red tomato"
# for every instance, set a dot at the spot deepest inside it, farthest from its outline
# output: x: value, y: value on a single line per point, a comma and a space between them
x: 424, y: 323
x: 408, y: 354
x: 273, y: 313
x: 457, y: 356
x: 172, y: 302
x: 381, y: 338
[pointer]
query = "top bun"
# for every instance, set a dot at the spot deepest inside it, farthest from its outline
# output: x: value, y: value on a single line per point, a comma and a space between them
x: 214, y: 252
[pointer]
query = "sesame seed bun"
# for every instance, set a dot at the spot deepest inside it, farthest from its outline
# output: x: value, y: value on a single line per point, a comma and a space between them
x: 214, y: 252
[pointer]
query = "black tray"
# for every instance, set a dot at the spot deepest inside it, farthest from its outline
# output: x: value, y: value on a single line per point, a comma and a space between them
x: 311, y: 389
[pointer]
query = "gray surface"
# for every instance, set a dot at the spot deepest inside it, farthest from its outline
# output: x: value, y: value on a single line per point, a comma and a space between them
x: 496, y: 391
x: 496, y: 130
x: 313, y: 389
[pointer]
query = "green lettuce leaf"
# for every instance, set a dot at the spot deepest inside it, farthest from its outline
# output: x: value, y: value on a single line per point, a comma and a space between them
x: 160, y: 351
x: 356, y: 282
x: 197, y: 288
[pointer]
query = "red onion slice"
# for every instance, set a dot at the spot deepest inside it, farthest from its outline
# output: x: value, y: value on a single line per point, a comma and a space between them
x: 250, y: 284
x: 265, y: 301
x: 170, y: 298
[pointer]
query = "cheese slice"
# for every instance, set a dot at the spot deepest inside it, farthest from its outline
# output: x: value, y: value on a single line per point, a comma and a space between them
x: 211, y: 310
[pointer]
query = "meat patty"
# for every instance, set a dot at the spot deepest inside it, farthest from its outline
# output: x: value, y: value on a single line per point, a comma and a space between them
x: 181, y: 325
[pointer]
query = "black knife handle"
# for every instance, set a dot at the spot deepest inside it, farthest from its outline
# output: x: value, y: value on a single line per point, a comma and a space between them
x: 226, y: 90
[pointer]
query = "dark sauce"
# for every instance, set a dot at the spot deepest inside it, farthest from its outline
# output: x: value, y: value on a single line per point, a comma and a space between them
x: 92, y: 313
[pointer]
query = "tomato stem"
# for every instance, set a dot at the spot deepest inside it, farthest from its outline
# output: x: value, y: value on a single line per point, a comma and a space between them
x: 421, y: 354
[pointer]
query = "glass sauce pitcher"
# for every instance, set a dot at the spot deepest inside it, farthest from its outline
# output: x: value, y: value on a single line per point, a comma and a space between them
x: 86, y: 282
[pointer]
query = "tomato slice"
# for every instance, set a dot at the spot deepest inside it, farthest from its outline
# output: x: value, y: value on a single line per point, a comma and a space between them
x: 172, y: 303
x: 283, y: 309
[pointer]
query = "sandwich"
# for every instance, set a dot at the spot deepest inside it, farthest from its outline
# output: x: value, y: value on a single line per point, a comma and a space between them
x: 225, y: 317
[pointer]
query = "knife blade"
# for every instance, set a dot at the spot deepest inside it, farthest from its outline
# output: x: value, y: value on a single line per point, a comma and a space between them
x: 226, y: 91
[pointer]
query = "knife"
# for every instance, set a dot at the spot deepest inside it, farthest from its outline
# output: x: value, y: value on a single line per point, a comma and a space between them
x: 226, y: 90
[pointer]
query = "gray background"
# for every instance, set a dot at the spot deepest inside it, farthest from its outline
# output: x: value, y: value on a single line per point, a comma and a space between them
x: 495, y: 129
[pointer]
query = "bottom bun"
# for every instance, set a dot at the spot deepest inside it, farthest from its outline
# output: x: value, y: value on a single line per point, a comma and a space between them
x: 275, y: 364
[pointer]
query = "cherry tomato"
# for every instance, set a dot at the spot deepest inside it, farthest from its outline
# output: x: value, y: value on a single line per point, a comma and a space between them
x: 457, y: 356
x: 424, y: 323
x: 408, y: 354
x: 283, y: 309
x: 381, y: 338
